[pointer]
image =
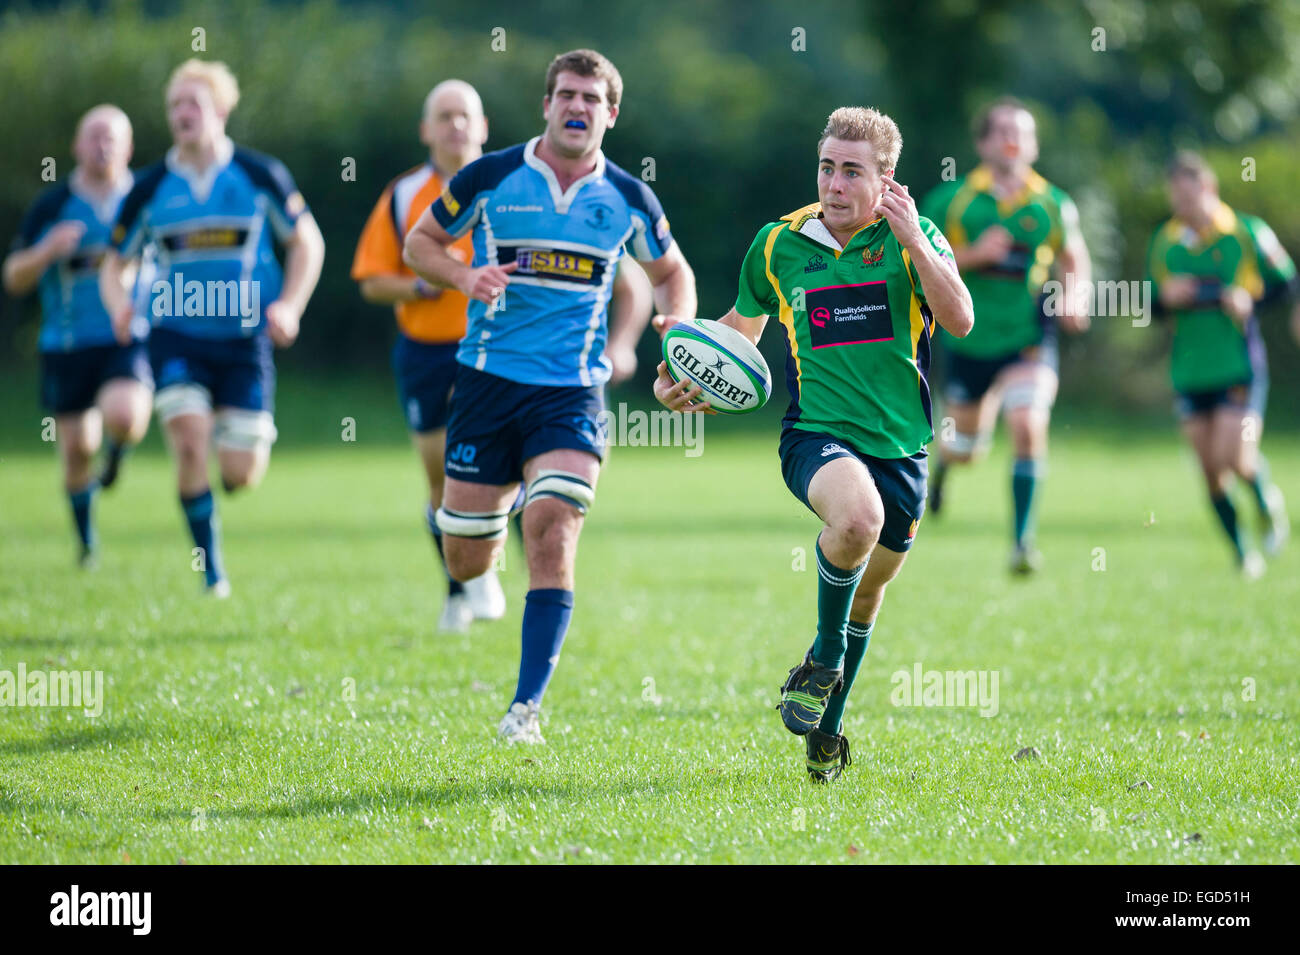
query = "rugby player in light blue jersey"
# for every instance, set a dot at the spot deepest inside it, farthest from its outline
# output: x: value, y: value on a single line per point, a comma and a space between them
x: 550, y: 220
x: 204, y: 220
x: 89, y: 382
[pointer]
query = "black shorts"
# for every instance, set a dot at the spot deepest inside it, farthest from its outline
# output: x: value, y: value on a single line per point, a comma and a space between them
x: 497, y: 424
x: 1246, y: 396
x: 70, y: 380
x: 969, y: 379
x: 900, y: 481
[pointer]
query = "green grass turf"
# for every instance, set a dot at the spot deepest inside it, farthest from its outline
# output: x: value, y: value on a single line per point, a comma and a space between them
x: 228, y: 736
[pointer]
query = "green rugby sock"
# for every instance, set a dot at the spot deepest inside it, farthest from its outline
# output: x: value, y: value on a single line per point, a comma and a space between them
x: 835, y: 589
x: 1260, y: 485
x: 859, y: 635
x: 1228, y: 518
x: 1025, y: 476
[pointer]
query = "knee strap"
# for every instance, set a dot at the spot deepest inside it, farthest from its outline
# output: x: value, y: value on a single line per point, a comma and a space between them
x: 962, y: 443
x: 479, y: 526
x: 182, y: 398
x: 244, y: 430
x: 1027, y: 394
x: 565, y: 486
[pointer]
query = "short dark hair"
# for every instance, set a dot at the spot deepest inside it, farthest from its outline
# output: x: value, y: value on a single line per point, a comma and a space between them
x: 586, y: 63
x: 983, y: 121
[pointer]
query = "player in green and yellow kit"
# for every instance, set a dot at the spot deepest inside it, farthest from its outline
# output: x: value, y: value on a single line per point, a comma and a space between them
x: 1009, y: 229
x: 1209, y: 267
x: 857, y: 281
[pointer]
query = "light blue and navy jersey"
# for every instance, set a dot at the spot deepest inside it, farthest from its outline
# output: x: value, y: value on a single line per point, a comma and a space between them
x: 72, y: 314
x: 549, y: 327
x: 208, y: 240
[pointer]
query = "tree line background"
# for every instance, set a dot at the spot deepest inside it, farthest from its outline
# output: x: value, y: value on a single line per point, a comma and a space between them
x: 727, y: 99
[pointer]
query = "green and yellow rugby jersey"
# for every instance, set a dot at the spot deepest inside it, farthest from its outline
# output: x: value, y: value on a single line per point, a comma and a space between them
x: 857, y: 329
x: 1212, y: 351
x: 1041, y: 219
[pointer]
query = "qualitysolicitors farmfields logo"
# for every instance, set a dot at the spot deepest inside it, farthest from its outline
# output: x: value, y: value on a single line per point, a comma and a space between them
x: 79, y: 689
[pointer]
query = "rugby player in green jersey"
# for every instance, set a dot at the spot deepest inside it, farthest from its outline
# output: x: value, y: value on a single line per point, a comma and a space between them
x: 1009, y: 227
x: 1209, y: 267
x: 857, y: 282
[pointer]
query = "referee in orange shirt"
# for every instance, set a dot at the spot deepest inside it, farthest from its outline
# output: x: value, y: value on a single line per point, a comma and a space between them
x: 431, y: 321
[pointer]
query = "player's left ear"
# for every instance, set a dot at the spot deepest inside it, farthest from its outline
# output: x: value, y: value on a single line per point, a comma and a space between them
x: 613, y: 115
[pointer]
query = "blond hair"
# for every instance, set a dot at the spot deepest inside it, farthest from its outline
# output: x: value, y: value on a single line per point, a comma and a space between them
x: 215, y: 75
x: 857, y: 124
x: 113, y: 113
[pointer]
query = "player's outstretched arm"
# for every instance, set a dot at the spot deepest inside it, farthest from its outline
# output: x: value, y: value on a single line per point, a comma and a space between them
x: 425, y: 252
x: 1074, y: 267
x: 945, y: 292
x: 23, y: 269
x: 630, y: 309
x: 304, y: 256
x: 751, y: 328
x: 391, y: 289
x: 113, y: 272
x: 673, y: 282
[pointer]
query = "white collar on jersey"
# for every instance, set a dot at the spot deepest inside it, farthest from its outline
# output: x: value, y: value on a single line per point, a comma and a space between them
x: 105, y: 204
x: 816, y: 230
x: 201, y: 180
x: 562, y: 200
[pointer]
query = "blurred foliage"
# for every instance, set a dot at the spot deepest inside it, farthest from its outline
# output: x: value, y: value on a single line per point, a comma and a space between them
x: 719, y: 97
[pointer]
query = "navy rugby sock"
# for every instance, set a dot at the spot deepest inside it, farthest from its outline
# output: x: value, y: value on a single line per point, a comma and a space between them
x: 81, y: 502
x: 546, y: 620
x: 201, y: 514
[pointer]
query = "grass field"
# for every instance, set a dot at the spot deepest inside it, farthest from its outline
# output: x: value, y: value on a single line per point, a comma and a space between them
x: 230, y: 732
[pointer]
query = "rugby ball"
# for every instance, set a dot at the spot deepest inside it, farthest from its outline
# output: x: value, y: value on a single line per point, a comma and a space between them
x: 724, y: 363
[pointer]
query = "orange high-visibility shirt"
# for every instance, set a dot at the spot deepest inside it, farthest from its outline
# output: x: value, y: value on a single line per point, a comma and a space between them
x: 379, y: 252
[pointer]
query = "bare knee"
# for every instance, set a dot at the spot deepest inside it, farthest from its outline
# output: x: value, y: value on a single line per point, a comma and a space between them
x: 855, y: 534
x: 550, y: 527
